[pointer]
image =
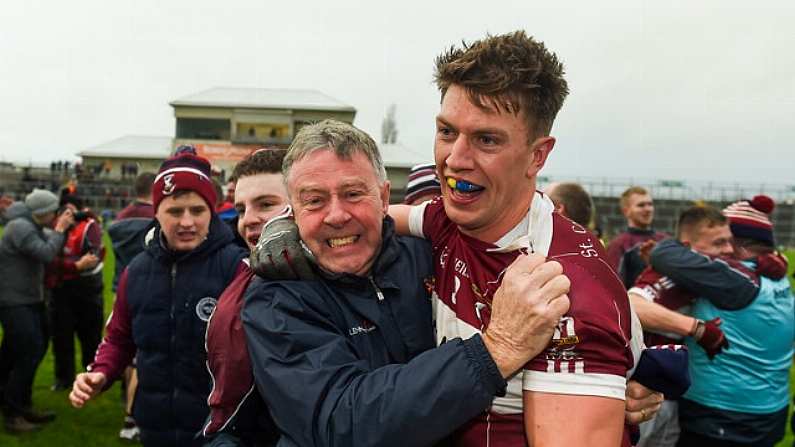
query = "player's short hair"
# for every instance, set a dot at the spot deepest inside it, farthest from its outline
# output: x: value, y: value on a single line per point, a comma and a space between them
x: 510, y: 72
x: 631, y: 191
x: 576, y: 200
x: 342, y: 138
x: 697, y: 216
x: 143, y: 184
x: 261, y: 161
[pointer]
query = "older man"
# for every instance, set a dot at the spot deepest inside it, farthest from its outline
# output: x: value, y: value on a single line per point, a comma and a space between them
x: 350, y: 358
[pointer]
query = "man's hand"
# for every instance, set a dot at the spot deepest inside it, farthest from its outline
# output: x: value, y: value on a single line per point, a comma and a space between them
x: 525, y: 311
x: 710, y: 337
x: 86, y: 262
x: 65, y: 220
x: 644, y: 251
x: 642, y: 403
x: 279, y: 253
x: 86, y: 386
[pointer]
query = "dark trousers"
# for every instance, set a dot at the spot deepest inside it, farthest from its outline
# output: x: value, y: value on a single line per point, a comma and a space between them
x: 690, y: 439
x: 22, y: 350
x: 77, y: 309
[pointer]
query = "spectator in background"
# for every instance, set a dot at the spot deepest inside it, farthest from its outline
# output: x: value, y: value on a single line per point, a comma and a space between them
x: 624, y: 250
x: 234, y: 408
x: 127, y: 238
x: 77, y: 294
x: 422, y: 185
x: 740, y: 398
x: 572, y: 201
x: 131, y: 224
x: 24, y: 251
x: 164, y: 299
x: 69, y: 193
x: 663, y: 305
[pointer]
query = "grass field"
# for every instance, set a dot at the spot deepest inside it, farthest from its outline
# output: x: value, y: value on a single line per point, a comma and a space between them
x: 99, y: 422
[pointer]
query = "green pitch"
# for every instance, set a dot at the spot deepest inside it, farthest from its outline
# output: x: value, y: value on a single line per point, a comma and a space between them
x: 98, y: 423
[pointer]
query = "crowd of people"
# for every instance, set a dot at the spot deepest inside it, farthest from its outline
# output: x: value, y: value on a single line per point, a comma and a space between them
x: 303, y: 309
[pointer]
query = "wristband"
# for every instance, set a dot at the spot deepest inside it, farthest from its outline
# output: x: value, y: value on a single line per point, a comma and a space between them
x: 698, y: 329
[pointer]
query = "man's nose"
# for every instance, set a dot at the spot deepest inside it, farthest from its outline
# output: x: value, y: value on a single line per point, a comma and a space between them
x: 186, y: 220
x: 460, y: 156
x: 337, y: 214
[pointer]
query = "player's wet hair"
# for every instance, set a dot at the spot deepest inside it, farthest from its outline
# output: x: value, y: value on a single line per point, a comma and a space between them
x: 261, y: 161
x: 697, y: 216
x: 510, y: 72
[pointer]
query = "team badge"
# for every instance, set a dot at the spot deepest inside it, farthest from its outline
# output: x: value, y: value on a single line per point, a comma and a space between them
x: 168, y: 184
x: 205, y: 307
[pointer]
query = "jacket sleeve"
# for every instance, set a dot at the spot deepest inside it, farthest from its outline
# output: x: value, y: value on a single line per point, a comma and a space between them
x: 727, y: 285
x: 117, y: 349
x: 28, y: 241
x: 321, y: 392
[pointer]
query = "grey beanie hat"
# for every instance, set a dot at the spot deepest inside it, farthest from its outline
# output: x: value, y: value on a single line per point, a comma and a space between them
x: 41, y: 201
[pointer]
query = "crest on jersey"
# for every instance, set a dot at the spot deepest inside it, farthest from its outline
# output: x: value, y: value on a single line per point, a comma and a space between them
x: 168, y: 184
x: 205, y: 307
x: 563, y: 340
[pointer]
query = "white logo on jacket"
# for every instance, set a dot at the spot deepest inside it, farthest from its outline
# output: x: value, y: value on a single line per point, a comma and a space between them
x: 205, y: 307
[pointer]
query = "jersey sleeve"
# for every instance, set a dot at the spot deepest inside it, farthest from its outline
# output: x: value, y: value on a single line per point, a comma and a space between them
x: 427, y: 219
x: 591, y: 351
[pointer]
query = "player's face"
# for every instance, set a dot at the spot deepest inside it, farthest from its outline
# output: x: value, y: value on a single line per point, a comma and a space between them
x: 715, y: 240
x: 258, y: 198
x: 487, y: 156
x: 639, y: 210
x: 184, y: 220
x: 339, y: 208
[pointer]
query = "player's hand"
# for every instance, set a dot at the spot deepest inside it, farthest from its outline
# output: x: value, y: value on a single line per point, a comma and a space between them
x: 65, y: 220
x: 525, y: 311
x: 86, y: 386
x: 642, y: 404
x: 710, y: 337
x: 279, y: 253
x: 86, y: 262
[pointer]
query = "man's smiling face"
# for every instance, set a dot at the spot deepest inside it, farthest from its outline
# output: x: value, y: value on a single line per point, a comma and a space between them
x: 339, y: 208
x: 486, y: 164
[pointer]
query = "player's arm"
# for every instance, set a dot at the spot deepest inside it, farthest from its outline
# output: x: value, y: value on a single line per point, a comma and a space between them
x: 658, y: 318
x: 400, y: 214
x: 727, y: 286
x: 566, y: 419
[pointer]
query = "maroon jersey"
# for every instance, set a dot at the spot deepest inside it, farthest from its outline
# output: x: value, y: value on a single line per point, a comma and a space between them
x: 660, y: 289
x: 592, y: 350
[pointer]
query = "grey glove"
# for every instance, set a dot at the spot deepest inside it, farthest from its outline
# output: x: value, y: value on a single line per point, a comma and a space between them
x: 280, y: 254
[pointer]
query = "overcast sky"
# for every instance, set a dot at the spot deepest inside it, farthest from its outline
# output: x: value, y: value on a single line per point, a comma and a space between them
x: 659, y: 89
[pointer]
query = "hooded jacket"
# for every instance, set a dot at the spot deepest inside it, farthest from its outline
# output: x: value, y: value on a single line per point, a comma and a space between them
x: 24, y: 252
x: 163, y: 303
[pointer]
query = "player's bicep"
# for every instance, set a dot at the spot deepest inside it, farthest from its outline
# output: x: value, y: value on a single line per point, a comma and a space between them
x: 566, y: 419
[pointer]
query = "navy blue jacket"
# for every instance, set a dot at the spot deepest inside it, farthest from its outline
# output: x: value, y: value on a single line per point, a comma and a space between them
x: 170, y: 297
x: 351, y: 361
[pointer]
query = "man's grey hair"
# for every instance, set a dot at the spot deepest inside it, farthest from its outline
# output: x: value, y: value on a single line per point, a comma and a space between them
x: 342, y: 138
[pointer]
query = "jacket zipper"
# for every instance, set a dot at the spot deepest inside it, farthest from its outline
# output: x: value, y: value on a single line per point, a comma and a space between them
x: 378, y: 292
x: 173, y: 333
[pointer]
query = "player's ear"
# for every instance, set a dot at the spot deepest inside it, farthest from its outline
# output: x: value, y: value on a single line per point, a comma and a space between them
x: 539, y: 151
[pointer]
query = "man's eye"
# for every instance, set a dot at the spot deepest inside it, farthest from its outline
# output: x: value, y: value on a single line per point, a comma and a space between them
x: 444, y: 132
x: 487, y: 140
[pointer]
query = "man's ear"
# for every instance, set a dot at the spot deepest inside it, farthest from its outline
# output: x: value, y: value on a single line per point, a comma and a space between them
x: 540, y: 149
x: 384, y: 193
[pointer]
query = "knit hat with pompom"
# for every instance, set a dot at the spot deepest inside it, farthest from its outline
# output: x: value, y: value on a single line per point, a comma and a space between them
x: 750, y: 219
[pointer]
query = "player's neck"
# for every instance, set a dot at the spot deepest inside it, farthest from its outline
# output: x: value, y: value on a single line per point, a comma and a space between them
x: 506, y: 222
